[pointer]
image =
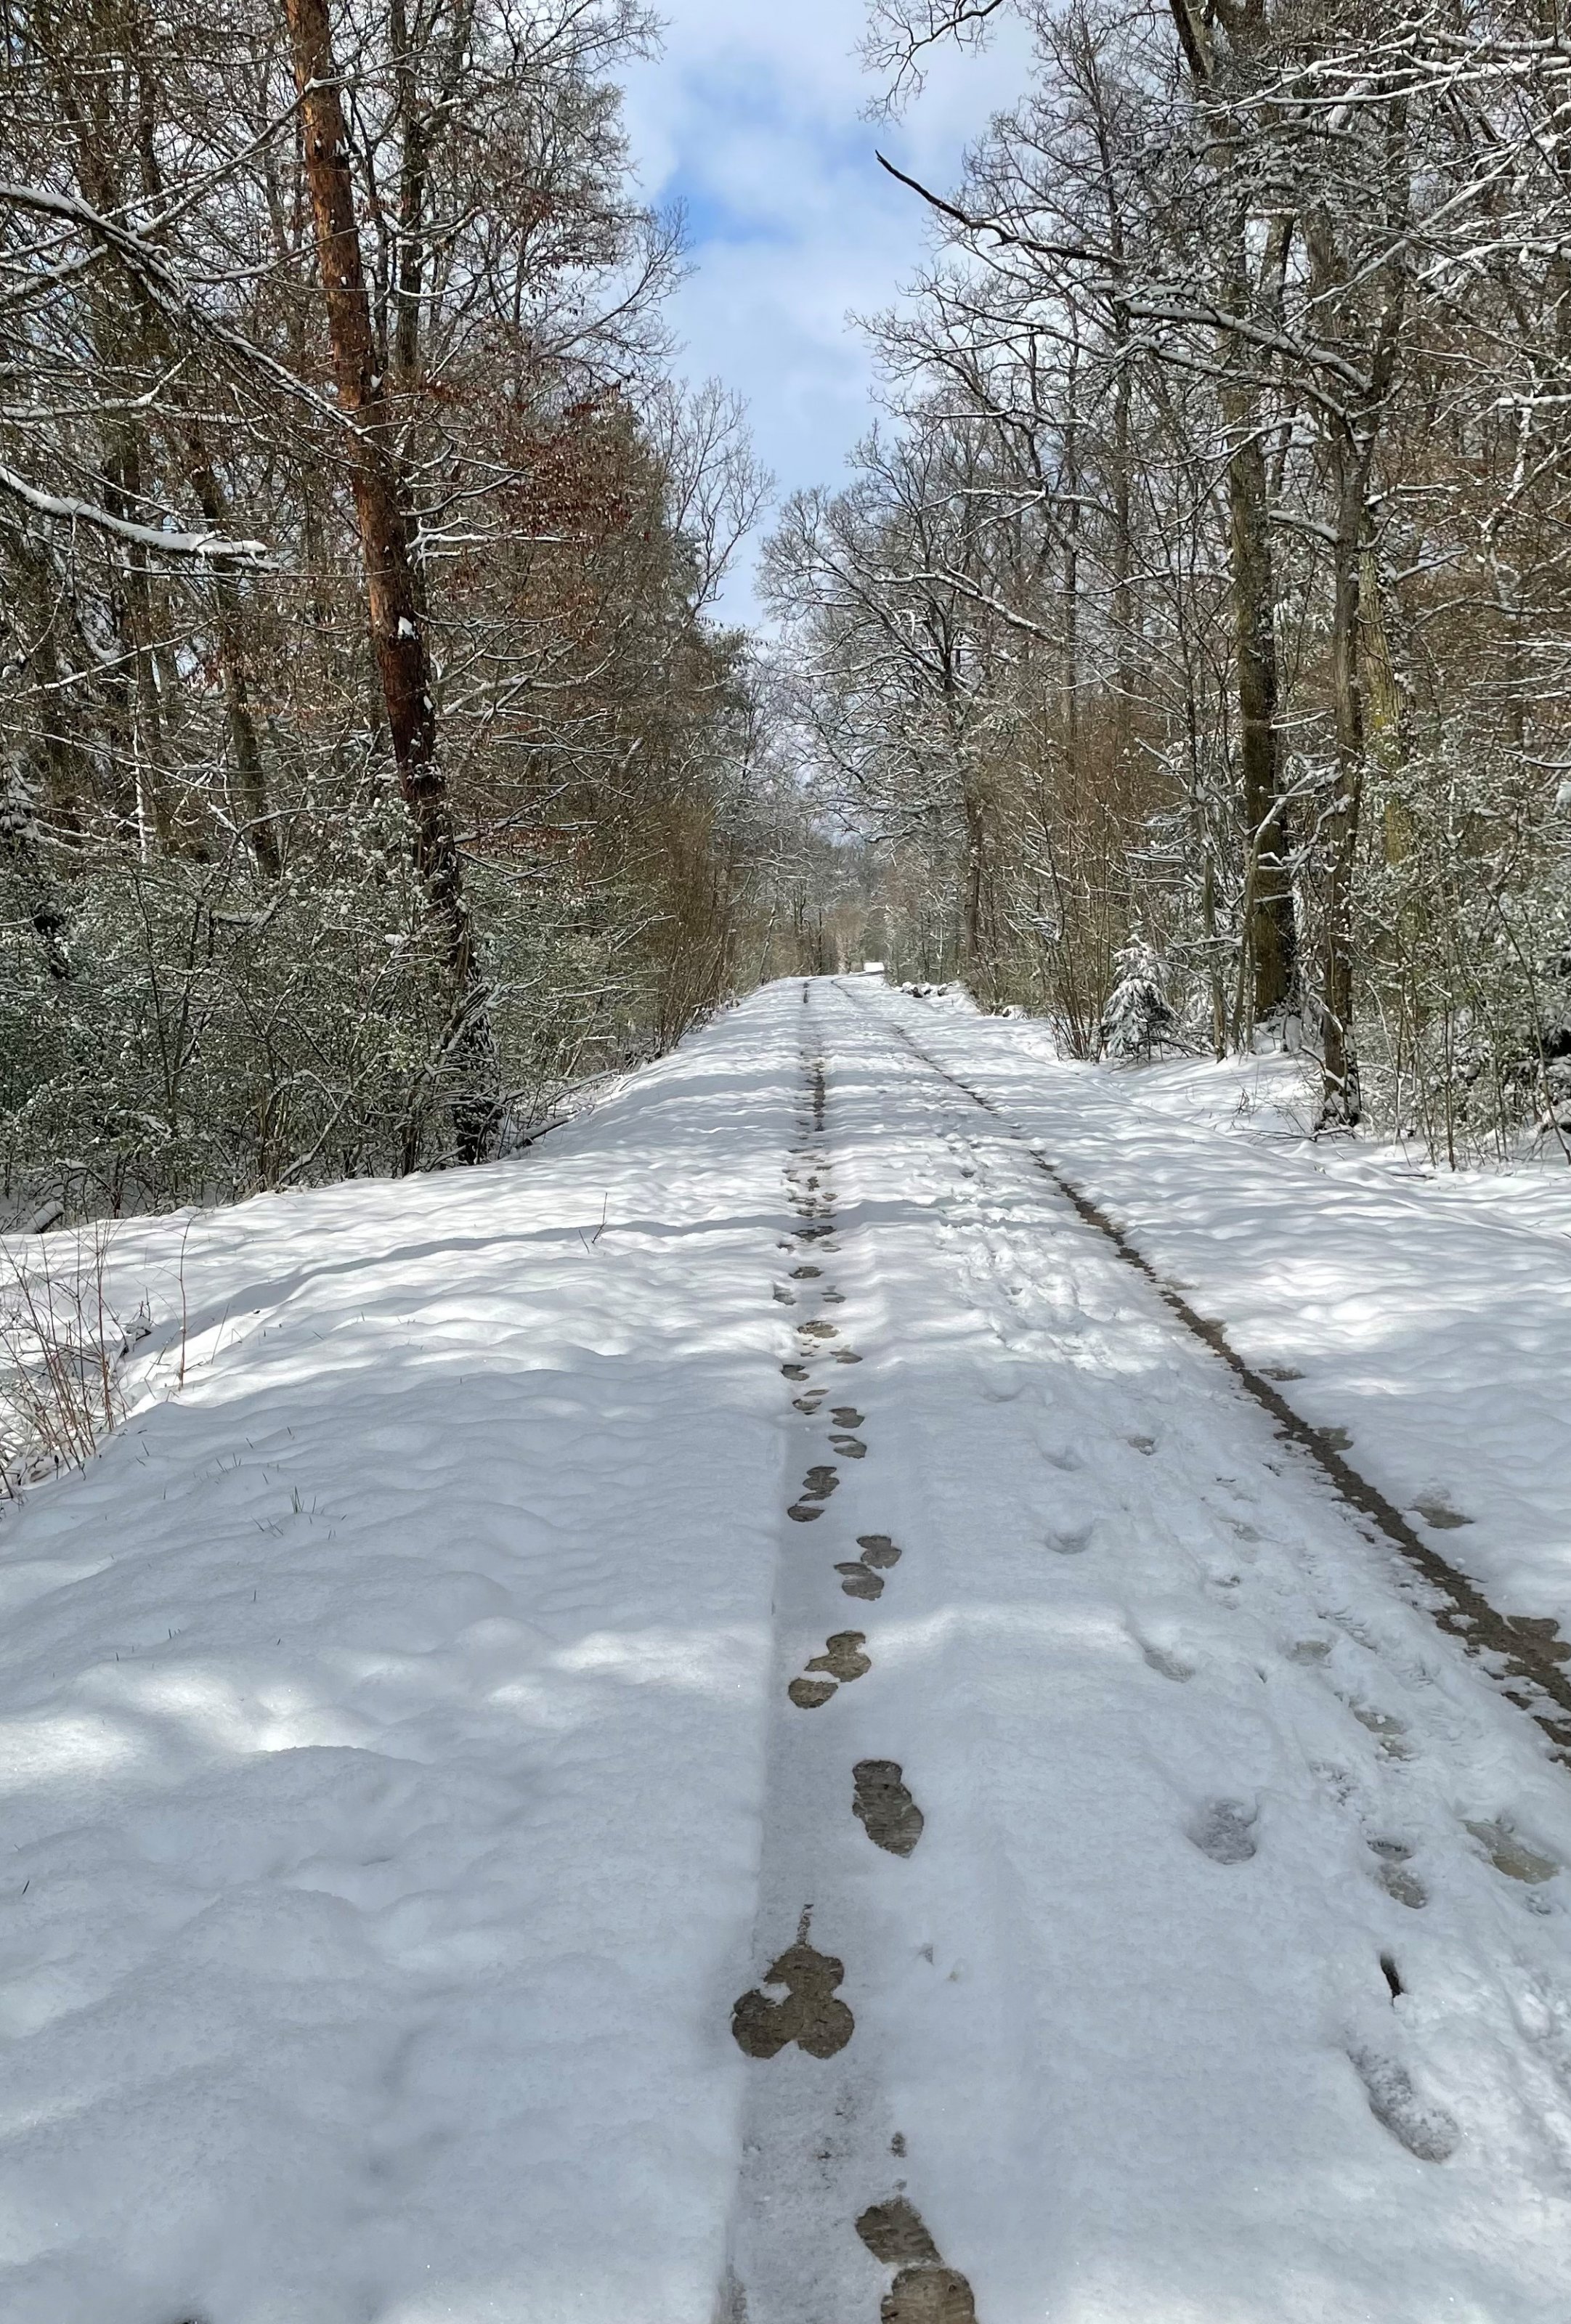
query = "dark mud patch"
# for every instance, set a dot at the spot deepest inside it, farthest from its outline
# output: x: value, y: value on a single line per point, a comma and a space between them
x: 877, y: 1549
x: 896, y: 2233
x: 927, y: 2295
x: 925, y: 2290
x: 843, y: 1657
x: 811, y: 1694
x: 810, y: 2013
x: 884, y: 1807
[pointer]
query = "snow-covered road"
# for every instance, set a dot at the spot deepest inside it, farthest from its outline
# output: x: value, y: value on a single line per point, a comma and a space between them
x: 732, y: 1720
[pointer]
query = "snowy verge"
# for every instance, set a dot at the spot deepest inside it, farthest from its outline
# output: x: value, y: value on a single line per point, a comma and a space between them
x: 383, y: 1735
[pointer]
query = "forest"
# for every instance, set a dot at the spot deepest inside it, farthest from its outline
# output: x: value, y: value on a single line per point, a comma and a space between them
x: 371, y: 764
x: 1184, y: 659
x: 1192, y: 634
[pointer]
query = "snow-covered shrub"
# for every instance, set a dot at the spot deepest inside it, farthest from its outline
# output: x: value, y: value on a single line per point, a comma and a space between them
x: 1137, y: 1018
x: 61, y: 1346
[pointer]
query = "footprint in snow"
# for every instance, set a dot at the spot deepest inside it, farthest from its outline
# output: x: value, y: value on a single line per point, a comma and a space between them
x: 877, y: 1549
x: 845, y: 1356
x: 1166, y: 1663
x: 851, y: 1448
x: 819, y: 1482
x: 806, y: 1274
x: 811, y: 2014
x: 1071, y: 1541
x: 884, y: 1807
x: 1223, y: 1829
x: 818, y: 1329
x: 924, y: 2292
x: 846, y: 1416
x: 859, y: 1580
x: 1436, y: 1510
x: 1426, y: 2130
x: 1386, y: 1727
x: 1511, y: 1856
x: 1405, y: 1886
x: 842, y: 1658
x: 811, y: 1694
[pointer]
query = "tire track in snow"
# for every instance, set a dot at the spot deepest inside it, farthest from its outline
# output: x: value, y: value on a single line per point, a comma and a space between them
x: 1527, y: 1649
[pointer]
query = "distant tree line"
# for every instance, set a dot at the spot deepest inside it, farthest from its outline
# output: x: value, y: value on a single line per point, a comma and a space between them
x: 1204, y: 601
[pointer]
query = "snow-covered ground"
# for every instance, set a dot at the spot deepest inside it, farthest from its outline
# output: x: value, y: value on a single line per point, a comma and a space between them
x: 416, y: 1768
x: 1428, y: 1316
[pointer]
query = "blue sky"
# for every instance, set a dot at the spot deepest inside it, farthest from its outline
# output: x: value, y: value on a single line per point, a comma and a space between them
x: 751, y: 116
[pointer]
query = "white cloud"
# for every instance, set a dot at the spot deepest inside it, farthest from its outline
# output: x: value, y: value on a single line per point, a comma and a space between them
x: 751, y: 116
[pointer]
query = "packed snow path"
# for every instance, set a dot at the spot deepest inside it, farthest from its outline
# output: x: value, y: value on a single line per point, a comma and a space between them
x: 734, y: 1721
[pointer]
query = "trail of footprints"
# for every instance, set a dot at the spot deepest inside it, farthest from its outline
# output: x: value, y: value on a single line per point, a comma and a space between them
x: 798, y: 2001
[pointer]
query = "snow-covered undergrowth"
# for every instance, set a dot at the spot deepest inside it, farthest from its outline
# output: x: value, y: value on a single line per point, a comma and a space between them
x: 62, y: 1349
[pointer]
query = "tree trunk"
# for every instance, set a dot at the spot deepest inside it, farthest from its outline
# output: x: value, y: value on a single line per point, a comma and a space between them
x: 1340, y: 1104
x: 1269, y: 935
x: 251, y: 802
x: 381, y: 506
